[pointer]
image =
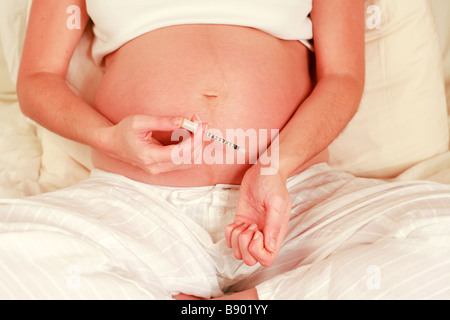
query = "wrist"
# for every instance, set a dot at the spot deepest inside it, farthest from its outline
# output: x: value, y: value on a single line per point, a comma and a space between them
x: 103, y: 139
x: 280, y: 159
x: 276, y: 164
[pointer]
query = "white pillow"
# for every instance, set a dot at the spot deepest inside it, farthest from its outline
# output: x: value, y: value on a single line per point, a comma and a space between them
x: 402, y: 119
x: 441, y: 10
x: 63, y: 162
x: 13, y: 17
x: 6, y: 84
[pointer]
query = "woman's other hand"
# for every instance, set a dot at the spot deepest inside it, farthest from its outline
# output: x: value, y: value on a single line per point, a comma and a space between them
x: 261, y: 219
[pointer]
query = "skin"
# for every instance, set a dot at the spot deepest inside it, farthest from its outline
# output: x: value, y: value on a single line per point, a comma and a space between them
x: 263, y: 209
x: 339, y: 28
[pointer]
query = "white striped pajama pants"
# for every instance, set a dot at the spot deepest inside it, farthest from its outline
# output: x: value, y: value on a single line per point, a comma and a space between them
x: 113, y: 238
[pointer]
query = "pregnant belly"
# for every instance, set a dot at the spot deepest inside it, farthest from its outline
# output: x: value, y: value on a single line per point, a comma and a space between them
x: 232, y: 77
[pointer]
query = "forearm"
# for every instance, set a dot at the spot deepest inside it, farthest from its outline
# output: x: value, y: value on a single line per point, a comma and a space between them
x: 46, y: 99
x: 318, y: 121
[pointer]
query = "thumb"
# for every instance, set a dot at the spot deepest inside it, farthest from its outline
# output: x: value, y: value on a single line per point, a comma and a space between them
x: 160, y: 123
x: 276, y: 210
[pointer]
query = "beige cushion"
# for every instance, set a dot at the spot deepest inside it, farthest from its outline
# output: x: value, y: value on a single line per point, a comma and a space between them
x: 402, y: 119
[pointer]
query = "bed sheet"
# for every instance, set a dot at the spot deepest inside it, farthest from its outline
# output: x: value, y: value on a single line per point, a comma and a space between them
x: 437, y: 168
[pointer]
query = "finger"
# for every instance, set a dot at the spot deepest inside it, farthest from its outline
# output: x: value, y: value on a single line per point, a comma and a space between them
x: 196, y: 118
x: 229, y: 230
x: 194, y: 144
x: 162, y: 154
x: 244, y: 241
x: 274, y: 222
x: 160, y: 123
x: 194, y: 140
x: 259, y: 252
x: 164, y: 158
x: 189, y: 146
x: 235, y: 240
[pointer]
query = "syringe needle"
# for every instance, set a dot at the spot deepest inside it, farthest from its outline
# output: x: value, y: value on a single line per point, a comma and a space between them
x: 193, y: 127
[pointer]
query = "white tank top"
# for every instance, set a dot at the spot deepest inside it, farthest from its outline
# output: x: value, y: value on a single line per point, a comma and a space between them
x: 119, y: 21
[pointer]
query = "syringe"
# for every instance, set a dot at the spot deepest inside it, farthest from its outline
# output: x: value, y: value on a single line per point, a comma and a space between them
x: 193, y: 127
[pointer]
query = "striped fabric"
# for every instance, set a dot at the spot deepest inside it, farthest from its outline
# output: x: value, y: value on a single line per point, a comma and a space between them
x: 113, y: 238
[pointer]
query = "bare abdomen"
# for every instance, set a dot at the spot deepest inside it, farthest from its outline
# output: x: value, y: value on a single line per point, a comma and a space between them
x: 233, y: 77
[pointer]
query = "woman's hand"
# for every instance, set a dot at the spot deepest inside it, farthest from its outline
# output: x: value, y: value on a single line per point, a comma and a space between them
x: 132, y: 141
x: 261, y: 220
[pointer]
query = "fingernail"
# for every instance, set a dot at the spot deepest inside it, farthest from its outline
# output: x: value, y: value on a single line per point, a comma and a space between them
x: 197, y: 118
x: 257, y: 235
x: 272, y: 246
x: 253, y: 227
x: 177, y: 121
